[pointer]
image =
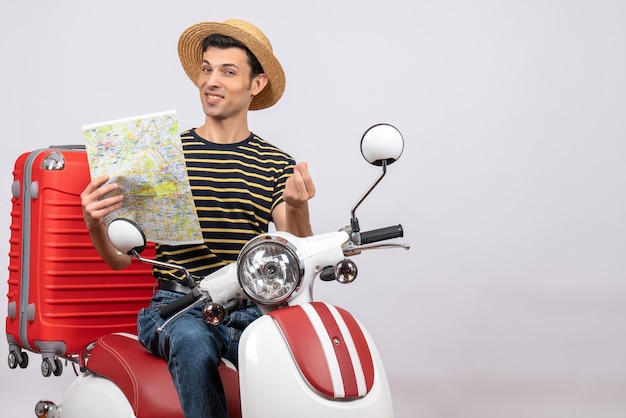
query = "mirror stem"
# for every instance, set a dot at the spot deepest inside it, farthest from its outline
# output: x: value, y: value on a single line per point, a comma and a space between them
x: 190, y: 281
x: 354, y: 222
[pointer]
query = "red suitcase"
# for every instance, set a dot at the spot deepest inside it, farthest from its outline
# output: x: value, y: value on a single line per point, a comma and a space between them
x: 61, y: 295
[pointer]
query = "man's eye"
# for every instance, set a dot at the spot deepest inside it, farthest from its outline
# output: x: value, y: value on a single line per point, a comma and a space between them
x: 206, y: 70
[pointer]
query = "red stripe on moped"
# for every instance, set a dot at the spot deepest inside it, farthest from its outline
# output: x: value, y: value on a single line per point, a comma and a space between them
x: 329, y: 348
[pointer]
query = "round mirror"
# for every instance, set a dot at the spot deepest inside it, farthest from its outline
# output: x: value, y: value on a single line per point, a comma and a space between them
x: 126, y: 236
x: 382, y: 142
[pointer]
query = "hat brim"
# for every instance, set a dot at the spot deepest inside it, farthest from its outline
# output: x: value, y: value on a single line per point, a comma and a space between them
x: 190, y: 54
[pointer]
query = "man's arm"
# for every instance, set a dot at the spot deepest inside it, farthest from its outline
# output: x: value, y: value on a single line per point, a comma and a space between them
x: 292, y: 215
x: 95, y: 208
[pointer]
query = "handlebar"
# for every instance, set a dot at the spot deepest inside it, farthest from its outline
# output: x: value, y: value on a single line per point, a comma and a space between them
x: 179, y: 304
x: 362, y: 238
x: 381, y: 234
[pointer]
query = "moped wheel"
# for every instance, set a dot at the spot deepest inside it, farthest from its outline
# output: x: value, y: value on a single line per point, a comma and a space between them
x: 46, y: 367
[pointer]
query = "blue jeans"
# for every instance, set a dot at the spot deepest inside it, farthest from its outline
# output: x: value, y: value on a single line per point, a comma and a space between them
x: 193, y: 351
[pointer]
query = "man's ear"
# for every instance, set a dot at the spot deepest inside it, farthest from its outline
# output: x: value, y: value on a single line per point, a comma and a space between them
x: 258, y: 84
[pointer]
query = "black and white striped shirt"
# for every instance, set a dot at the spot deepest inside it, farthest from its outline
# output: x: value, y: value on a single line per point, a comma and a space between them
x: 235, y: 188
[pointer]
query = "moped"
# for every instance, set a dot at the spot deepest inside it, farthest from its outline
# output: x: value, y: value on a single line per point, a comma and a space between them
x: 301, y: 358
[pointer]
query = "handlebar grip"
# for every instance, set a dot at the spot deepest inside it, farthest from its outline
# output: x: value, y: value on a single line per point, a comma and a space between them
x: 382, y: 234
x: 179, y: 304
x: 328, y: 274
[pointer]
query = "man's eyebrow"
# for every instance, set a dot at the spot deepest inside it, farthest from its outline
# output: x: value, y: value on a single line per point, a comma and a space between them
x: 221, y: 66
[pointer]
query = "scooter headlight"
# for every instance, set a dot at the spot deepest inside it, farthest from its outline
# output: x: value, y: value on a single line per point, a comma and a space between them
x: 269, y: 269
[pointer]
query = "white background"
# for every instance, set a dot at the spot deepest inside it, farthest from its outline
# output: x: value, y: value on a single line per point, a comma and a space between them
x: 511, y: 189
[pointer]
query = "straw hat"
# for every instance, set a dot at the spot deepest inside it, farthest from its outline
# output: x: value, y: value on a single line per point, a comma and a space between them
x: 190, y: 53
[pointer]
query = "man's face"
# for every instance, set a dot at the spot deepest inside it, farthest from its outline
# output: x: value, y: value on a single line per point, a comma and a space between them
x: 224, y: 82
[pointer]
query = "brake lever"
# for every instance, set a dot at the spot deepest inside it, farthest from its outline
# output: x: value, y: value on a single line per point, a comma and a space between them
x: 357, y: 249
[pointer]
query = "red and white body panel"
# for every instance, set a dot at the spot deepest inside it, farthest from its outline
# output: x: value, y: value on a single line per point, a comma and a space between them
x: 275, y: 380
x: 312, y: 360
x: 96, y: 397
x: 126, y: 381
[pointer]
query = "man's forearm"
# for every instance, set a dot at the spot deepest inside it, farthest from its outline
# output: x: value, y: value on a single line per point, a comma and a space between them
x: 103, y: 246
x: 297, y: 220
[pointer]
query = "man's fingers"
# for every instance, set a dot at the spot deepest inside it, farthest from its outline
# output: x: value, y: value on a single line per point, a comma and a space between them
x: 97, y: 189
x: 304, y: 180
x: 95, y: 183
x: 299, y: 187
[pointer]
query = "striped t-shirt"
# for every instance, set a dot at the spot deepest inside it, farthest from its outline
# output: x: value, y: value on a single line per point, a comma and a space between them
x: 235, y: 187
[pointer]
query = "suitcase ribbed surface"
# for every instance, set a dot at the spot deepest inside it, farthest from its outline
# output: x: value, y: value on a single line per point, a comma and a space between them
x: 64, y: 295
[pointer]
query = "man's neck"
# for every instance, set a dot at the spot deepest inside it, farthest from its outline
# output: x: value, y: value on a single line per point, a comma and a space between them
x: 223, y: 131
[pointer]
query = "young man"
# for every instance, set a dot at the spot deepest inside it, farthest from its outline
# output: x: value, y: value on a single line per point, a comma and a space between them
x: 240, y: 184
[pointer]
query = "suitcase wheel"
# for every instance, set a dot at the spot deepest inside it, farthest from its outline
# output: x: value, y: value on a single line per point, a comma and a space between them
x: 14, y: 361
x: 49, y: 367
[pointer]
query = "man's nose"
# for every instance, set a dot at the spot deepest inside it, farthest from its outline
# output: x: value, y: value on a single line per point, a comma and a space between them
x: 210, y: 79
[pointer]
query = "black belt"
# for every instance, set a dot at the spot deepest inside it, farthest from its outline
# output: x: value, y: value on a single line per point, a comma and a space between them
x: 174, y: 287
x: 181, y: 288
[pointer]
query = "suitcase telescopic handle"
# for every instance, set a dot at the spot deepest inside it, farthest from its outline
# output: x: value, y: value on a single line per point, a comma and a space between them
x: 68, y: 147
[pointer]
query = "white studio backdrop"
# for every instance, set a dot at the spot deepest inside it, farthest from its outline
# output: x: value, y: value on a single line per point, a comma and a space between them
x: 511, y: 189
